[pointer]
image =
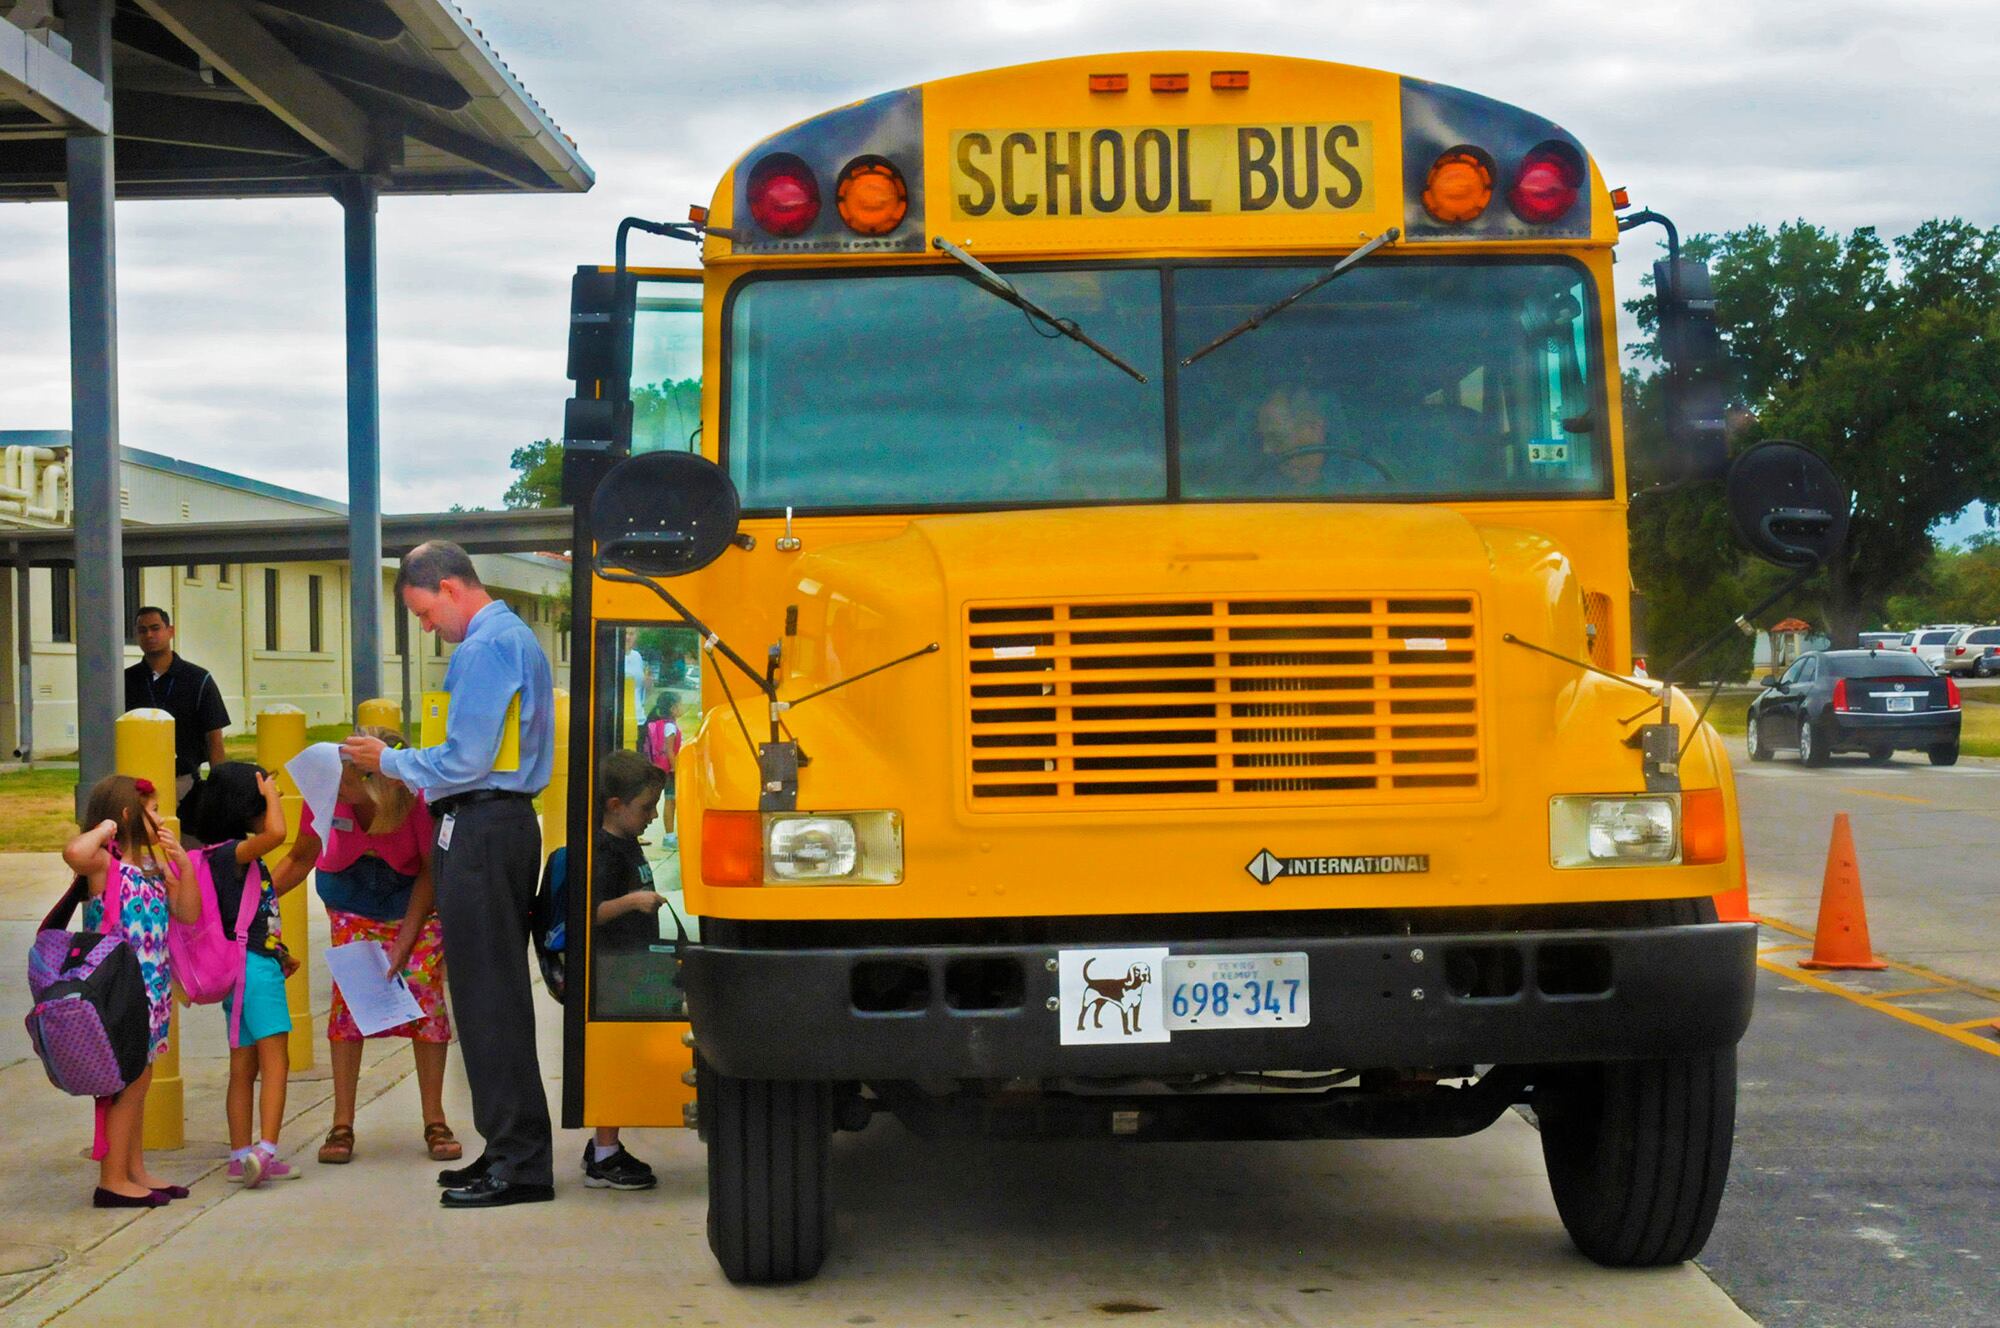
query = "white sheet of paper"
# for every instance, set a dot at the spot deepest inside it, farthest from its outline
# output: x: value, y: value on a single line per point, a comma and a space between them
x: 316, y: 771
x: 376, y: 1000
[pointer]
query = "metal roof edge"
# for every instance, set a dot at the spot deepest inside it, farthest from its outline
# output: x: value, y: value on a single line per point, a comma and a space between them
x: 445, y: 28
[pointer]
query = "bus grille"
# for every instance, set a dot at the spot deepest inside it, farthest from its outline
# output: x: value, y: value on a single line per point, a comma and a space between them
x: 1226, y: 703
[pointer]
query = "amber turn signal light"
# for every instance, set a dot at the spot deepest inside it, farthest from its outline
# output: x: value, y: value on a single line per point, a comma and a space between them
x: 732, y: 848
x: 871, y: 196
x: 1459, y: 186
x: 1704, y: 827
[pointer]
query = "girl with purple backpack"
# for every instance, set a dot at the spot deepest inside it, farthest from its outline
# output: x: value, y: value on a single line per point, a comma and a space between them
x: 128, y: 855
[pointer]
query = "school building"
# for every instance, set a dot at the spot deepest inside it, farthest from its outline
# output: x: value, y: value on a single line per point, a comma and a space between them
x: 269, y: 633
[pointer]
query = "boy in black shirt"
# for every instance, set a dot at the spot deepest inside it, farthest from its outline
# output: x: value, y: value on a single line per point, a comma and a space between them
x: 623, y: 905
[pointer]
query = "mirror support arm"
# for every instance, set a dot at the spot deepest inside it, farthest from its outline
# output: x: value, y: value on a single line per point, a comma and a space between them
x: 1647, y: 216
x: 708, y: 635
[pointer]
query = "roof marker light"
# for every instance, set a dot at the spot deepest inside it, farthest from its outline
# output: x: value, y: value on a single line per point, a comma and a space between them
x: 784, y: 196
x: 1459, y: 186
x: 871, y: 196
x: 1547, y: 184
x: 1229, y: 80
x: 1108, y: 82
x: 1170, y: 82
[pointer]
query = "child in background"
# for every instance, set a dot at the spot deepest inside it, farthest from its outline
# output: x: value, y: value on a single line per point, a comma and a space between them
x: 236, y: 815
x: 125, y: 836
x: 623, y: 905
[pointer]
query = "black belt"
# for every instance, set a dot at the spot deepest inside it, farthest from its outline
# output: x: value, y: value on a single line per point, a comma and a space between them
x: 457, y: 801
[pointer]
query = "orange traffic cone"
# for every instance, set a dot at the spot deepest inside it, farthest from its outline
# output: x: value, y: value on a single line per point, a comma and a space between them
x: 1734, y: 905
x: 1841, y: 938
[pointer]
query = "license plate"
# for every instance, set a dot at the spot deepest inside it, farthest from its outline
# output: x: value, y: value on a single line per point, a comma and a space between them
x: 1899, y: 705
x: 1238, y: 991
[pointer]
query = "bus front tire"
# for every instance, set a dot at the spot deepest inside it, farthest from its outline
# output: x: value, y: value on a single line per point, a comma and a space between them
x: 1638, y: 1154
x: 770, y: 1200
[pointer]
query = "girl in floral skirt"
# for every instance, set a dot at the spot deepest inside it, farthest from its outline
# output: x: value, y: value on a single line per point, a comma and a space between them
x: 374, y: 876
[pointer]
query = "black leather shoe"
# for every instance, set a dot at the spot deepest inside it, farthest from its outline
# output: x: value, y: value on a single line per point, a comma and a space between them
x: 454, y: 1177
x: 492, y: 1192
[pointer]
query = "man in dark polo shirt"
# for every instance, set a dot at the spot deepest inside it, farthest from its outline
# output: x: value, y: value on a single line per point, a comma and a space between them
x: 165, y: 681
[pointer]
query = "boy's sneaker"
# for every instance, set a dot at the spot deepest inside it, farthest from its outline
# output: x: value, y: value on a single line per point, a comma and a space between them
x: 620, y: 1171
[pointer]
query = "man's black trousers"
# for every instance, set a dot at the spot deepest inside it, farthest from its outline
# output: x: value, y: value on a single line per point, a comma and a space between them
x: 485, y: 887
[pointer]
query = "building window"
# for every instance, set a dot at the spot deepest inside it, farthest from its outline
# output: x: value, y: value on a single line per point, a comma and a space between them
x: 62, y: 607
x: 313, y: 634
x: 194, y: 573
x: 437, y: 645
x: 270, y: 608
x: 135, y: 596
x: 402, y: 633
x: 222, y: 577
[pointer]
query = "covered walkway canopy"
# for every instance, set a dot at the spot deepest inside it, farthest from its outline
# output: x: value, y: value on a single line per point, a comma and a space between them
x: 353, y: 99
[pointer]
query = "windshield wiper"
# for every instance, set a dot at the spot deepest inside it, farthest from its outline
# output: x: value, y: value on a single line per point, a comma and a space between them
x: 1389, y: 236
x: 1004, y: 288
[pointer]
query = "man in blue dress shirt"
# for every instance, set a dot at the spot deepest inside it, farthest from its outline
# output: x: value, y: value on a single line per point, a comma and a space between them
x: 487, y: 859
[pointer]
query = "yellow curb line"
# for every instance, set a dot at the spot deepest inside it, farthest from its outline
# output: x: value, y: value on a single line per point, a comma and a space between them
x: 1908, y: 991
x: 1955, y: 1032
x: 1979, y: 1023
x: 1914, y: 970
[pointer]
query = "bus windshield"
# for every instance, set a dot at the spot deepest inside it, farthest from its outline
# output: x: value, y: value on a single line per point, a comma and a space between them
x: 1405, y: 380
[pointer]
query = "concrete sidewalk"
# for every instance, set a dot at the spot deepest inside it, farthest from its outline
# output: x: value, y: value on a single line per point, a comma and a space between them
x: 1359, y: 1233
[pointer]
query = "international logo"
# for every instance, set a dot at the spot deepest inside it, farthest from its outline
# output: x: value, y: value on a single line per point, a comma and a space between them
x: 1267, y: 866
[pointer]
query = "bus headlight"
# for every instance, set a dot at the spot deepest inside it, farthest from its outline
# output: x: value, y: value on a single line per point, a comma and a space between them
x: 1614, y: 831
x: 833, y: 848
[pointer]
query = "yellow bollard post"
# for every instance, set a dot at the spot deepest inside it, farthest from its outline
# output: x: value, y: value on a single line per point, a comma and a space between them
x: 380, y: 712
x: 144, y: 749
x: 555, y: 798
x: 281, y: 735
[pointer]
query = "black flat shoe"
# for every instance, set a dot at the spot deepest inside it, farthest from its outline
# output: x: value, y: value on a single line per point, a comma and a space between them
x: 492, y: 1192
x: 171, y: 1191
x: 454, y: 1177
x: 103, y: 1198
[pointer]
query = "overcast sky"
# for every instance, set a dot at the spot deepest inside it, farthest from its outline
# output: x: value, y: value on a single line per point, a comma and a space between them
x: 230, y: 337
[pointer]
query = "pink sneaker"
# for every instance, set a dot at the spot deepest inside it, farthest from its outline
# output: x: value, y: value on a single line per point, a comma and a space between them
x: 276, y: 1168
x: 236, y: 1171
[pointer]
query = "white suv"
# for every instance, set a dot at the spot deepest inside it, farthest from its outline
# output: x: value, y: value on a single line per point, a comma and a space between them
x: 1928, y: 642
x: 1975, y: 650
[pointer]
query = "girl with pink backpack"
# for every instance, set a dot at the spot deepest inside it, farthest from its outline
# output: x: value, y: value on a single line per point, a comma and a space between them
x: 236, y: 816
x: 138, y: 874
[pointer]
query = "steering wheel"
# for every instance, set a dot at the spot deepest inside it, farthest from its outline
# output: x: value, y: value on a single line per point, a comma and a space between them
x: 1273, y: 461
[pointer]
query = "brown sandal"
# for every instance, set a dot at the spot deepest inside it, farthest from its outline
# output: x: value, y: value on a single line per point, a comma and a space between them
x: 443, y: 1147
x: 339, y: 1145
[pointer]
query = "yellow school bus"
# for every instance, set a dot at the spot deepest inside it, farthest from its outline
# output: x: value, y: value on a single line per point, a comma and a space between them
x: 1125, y: 560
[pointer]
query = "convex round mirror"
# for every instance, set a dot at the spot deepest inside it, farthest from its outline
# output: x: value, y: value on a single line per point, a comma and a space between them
x: 1786, y: 504
x: 663, y: 514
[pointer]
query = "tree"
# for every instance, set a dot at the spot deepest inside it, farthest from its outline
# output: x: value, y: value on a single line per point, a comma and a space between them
x: 537, y: 475
x: 1892, y: 375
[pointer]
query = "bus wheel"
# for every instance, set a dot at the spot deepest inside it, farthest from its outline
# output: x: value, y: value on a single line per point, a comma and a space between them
x: 770, y: 1203
x: 1638, y: 1154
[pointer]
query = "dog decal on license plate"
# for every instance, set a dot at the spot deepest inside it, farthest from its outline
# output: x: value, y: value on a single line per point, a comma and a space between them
x: 1111, y: 996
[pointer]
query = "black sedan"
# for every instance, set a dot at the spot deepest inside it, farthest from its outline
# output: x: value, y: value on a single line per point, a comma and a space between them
x: 1873, y: 701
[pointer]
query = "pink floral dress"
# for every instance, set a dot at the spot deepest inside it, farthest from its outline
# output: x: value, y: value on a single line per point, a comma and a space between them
x: 142, y: 921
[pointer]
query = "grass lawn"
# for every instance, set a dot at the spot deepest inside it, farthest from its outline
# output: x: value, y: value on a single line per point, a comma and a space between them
x: 36, y: 811
x: 36, y: 808
x: 1979, y: 734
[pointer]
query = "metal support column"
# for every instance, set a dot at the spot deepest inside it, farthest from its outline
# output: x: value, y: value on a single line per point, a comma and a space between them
x: 24, y: 661
x: 93, y: 359
x: 364, y: 444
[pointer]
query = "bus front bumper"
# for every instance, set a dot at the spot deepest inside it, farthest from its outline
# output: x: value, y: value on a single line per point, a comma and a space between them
x: 1445, y: 999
